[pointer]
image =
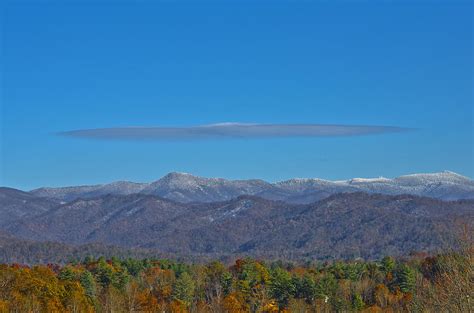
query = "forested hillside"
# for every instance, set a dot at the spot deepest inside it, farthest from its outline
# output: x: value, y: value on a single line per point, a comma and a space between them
x: 348, y: 225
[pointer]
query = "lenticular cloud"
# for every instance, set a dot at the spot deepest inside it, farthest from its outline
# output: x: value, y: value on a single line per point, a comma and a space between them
x: 230, y: 130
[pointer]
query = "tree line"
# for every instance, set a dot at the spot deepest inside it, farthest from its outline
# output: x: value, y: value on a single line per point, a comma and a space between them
x: 419, y: 284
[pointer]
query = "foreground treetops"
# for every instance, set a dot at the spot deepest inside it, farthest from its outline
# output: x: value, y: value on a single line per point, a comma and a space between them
x: 248, y: 285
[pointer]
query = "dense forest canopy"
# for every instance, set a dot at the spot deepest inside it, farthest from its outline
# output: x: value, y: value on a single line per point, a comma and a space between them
x: 420, y: 283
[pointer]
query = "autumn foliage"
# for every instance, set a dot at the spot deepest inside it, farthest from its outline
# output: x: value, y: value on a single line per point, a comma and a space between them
x: 247, y: 285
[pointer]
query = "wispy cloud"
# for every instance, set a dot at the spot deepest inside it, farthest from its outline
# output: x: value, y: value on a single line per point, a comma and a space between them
x: 230, y: 130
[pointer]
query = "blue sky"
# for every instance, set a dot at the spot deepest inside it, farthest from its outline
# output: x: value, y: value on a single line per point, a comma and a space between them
x: 80, y: 65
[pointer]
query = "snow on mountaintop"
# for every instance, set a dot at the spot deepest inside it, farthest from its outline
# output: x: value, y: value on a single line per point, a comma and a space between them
x: 441, y: 177
x: 184, y: 180
x: 224, y: 124
x: 415, y: 179
x: 303, y: 181
x: 444, y: 185
x: 185, y: 187
x: 368, y: 180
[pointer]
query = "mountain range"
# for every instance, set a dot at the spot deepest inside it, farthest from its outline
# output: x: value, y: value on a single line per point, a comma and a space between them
x: 186, y: 188
x: 187, y: 216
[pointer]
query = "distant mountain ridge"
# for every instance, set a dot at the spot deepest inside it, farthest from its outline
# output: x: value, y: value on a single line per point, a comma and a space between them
x: 188, y: 216
x: 186, y: 188
x: 16, y: 204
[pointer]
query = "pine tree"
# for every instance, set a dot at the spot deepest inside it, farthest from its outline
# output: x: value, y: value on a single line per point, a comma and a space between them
x: 226, y: 282
x: 388, y: 264
x: 66, y: 274
x: 357, y: 302
x: 308, y: 289
x: 184, y: 289
x: 281, y: 287
x: 405, y: 278
x: 88, y: 283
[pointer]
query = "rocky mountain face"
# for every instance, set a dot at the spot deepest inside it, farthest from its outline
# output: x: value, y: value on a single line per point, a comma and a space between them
x: 344, y: 225
x: 188, y: 188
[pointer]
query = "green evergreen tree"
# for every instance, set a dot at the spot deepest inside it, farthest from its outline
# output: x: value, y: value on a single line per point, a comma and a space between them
x: 357, y: 302
x: 281, y: 287
x: 226, y: 282
x: 388, y: 264
x: 405, y: 278
x: 308, y: 289
x: 66, y: 274
x: 87, y: 281
x: 326, y: 286
x: 184, y: 289
x: 104, y: 274
x: 120, y: 279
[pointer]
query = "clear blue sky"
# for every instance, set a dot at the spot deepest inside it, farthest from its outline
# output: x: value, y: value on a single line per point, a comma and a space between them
x: 83, y: 65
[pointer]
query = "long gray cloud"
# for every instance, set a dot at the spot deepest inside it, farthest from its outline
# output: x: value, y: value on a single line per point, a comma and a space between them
x: 230, y: 130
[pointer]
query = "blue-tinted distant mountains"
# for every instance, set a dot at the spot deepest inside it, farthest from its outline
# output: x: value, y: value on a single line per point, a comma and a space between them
x: 187, y: 216
x: 16, y: 204
x: 347, y: 225
x: 187, y: 188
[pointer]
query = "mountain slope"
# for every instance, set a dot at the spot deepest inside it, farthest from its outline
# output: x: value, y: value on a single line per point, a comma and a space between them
x: 76, y: 192
x: 188, y: 188
x: 362, y: 225
x: 343, y: 225
x: 15, y: 250
x: 82, y: 221
x: 16, y: 204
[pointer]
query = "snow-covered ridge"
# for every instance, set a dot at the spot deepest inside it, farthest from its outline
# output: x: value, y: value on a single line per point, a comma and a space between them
x: 445, y: 176
x: 185, y: 187
x: 368, y: 180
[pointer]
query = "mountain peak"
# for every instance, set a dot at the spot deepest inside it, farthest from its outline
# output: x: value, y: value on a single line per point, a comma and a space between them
x: 178, y: 175
x: 443, y: 174
x: 360, y: 180
x: 451, y: 173
x: 185, y: 187
x: 178, y: 180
